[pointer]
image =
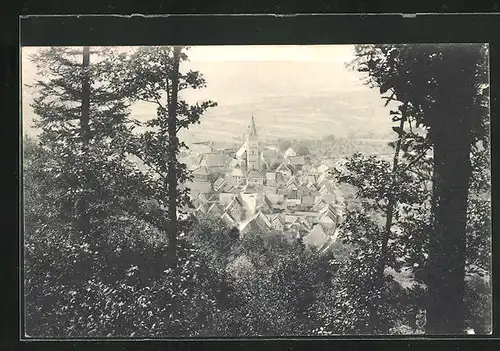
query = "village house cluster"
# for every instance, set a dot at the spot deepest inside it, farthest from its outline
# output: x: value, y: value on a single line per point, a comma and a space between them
x: 259, y: 187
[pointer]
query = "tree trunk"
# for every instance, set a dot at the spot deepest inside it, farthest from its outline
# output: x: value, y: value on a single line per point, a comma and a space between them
x: 445, y: 306
x: 83, y: 205
x: 172, y: 160
x: 391, y: 202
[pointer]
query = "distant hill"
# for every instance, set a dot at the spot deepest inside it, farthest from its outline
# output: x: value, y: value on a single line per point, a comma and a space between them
x: 294, y: 100
x: 349, y: 114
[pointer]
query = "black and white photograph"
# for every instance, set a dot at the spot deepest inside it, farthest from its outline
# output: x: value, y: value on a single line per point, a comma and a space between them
x: 265, y: 191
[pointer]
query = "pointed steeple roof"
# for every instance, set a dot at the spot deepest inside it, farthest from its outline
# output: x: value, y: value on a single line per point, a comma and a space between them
x: 252, y: 129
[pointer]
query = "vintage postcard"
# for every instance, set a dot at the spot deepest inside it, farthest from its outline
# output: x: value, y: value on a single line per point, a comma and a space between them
x: 267, y: 190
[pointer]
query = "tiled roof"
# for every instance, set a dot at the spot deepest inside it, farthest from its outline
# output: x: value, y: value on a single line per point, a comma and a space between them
x: 296, y: 160
x: 237, y: 172
x: 254, y: 174
x: 271, y: 175
x: 200, y: 186
x: 219, y: 183
x: 201, y: 171
x: 215, y: 160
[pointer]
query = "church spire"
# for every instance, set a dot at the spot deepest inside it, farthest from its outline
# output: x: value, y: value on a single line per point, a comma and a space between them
x: 253, y: 129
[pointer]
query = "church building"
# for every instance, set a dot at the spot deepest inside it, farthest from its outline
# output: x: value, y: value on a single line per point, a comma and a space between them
x: 253, y: 154
x: 249, y: 154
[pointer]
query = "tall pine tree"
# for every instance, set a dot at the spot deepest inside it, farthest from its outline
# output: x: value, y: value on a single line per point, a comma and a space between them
x: 83, y: 118
x: 153, y: 75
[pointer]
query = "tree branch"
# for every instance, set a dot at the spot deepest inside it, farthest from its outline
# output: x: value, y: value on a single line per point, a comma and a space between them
x: 416, y: 159
x: 160, y: 174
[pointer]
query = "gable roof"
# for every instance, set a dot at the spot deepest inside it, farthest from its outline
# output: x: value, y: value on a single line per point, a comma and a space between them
x: 200, y: 186
x: 292, y: 180
x: 219, y: 183
x: 326, y: 208
x: 328, y: 217
x: 253, y: 173
x: 319, y: 204
x: 201, y: 171
x: 233, y: 163
x: 203, y: 208
x: 234, y: 202
x: 215, y: 160
x: 198, y: 159
x: 283, y: 166
x: 261, y: 218
x: 237, y: 172
x: 296, y: 160
x: 226, y: 218
x: 276, y: 217
x: 215, y: 209
x: 242, y: 150
x: 202, y: 198
x: 275, y: 198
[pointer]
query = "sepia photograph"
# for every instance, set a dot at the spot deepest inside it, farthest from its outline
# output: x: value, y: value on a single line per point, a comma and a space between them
x: 256, y: 191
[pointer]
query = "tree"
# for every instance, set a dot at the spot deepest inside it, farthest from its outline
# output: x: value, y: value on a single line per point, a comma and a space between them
x: 83, y: 117
x: 153, y: 75
x: 445, y: 88
x: 284, y: 145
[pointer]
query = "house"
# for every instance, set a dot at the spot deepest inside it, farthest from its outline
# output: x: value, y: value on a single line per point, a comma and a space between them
x: 263, y: 204
x: 201, y: 199
x: 199, y: 187
x: 219, y: 184
x: 235, y: 209
x: 290, y: 152
x: 249, y: 189
x: 214, y: 210
x: 277, y: 222
x: 303, y: 190
x: 284, y: 170
x: 296, y: 161
x: 271, y: 178
x: 307, y: 200
x: 277, y: 201
x: 328, y: 219
x: 236, y: 176
x: 255, y: 178
x: 201, y: 173
x: 290, y: 219
x: 319, y: 204
x: 270, y: 190
x: 292, y: 202
x: 241, y: 153
x: 262, y: 222
x: 312, y: 186
x: 228, y: 220
x: 214, y: 161
x: 316, y: 237
x: 231, y: 188
x: 233, y: 162
x: 226, y: 198
x: 202, y: 209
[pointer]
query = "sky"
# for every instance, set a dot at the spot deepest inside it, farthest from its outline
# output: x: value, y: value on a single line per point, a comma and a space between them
x: 293, y: 90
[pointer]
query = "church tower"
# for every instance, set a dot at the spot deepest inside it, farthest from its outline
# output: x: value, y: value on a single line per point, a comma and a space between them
x: 252, y: 147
